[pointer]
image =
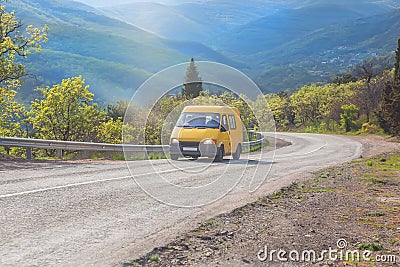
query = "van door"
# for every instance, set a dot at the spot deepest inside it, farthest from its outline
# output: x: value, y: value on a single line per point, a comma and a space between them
x: 225, y: 136
x: 234, y: 132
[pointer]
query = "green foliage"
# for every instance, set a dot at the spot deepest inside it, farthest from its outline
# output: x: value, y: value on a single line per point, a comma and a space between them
x: 389, y: 115
x: 371, y: 246
x: 331, y: 108
x: 110, y: 131
x: 117, y: 111
x: 368, y: 128
x: 316, y: 108
x: 66, y: 112
x: 157, y: 118
x: 155, y: 257
x: 313, y: 104
x: 14, y: 46
x: 13, y: 113
x: 348, y: 116
x: 282, y: 108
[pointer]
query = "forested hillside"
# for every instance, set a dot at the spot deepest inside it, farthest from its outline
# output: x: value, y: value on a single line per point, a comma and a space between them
x: 80, y: 35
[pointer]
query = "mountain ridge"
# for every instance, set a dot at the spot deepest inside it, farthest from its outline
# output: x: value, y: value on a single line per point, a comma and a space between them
x: 84, y: 31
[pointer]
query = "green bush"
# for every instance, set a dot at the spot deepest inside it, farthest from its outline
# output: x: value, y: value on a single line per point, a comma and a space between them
x: 368, y: 128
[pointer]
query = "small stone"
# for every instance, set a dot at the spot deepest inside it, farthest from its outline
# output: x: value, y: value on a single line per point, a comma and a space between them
x: 222, y: 233
x: 246, y: 261
x: 205, y: 237
x: 208, y: 253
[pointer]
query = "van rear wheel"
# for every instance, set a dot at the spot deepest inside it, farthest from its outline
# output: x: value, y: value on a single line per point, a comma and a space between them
x: 220, y: 154
x: 236, y: 155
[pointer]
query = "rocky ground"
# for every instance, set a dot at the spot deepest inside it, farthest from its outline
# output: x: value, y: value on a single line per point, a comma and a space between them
x: 354, y: 206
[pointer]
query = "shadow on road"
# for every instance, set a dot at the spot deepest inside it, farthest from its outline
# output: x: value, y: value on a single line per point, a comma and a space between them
x: 234, y: 162
x: 12, y: 165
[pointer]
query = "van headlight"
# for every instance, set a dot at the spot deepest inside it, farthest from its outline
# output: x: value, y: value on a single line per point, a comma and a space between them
x: 209, y: 142
x: 174, y: 141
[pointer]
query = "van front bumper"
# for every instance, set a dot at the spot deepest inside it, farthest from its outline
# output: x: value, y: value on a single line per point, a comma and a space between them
x: 193, y: 149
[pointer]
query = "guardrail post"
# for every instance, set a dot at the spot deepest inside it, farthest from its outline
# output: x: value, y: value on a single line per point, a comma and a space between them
x: 28, y: 153
x: 59, y: 153
x: 108, y: 155
x: 86, y: 153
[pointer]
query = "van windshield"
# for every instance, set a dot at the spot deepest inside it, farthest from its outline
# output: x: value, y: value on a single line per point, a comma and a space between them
x: 199, y: 120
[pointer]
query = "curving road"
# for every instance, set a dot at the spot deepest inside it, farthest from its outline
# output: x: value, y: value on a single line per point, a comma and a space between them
x: 80, y: 214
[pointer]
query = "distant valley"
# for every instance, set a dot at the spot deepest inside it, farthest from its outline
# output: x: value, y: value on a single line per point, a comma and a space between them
x: 280, y: 44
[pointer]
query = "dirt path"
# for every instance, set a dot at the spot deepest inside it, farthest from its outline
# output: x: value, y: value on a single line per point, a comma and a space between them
x: 356, y: 204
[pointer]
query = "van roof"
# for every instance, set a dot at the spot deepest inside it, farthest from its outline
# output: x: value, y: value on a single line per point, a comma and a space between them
x: 210, y: 109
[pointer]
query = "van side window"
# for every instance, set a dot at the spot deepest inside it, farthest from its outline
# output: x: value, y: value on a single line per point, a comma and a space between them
x: 225, y: 122
x: 232, y: 122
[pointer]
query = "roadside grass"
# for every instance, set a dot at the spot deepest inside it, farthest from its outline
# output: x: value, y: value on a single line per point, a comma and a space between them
x: 383, y: 171
x: 370, y: 246
x: 155, y: 257
x: 370, y: 129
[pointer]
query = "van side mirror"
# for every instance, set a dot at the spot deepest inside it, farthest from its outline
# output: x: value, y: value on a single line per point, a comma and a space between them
x: 223, y: 129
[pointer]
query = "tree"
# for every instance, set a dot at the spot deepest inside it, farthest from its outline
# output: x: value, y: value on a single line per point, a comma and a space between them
x: 110, y: 131
x: 282, y: 109
x: 343, y: 78
x: 368, y: 96
x: 308, y: 103
x: 193, y: 85
x: 157, y: 117
x: 117, y: 111
x: 367, y: 70
x: 15, y: 43
x: 348, y: 116
x: 66, y: 112
x: 389, y: 115
x: 12, y: 112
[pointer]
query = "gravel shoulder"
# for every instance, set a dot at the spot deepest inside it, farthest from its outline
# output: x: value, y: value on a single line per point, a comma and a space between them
x: 358, y: 202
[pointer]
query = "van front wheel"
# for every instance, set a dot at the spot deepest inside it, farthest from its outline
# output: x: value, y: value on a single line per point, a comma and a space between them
x: 220, y: 154
x: 236, y: 155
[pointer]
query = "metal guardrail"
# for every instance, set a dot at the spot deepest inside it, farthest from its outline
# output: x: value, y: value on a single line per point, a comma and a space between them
x: 260, y: 139
x: 87, y: 146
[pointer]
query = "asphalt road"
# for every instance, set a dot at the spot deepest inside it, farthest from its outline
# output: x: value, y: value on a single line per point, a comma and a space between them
x: 82, y: 214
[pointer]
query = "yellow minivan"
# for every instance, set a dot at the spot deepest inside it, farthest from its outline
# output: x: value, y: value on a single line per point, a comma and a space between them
x: 207, y: 131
